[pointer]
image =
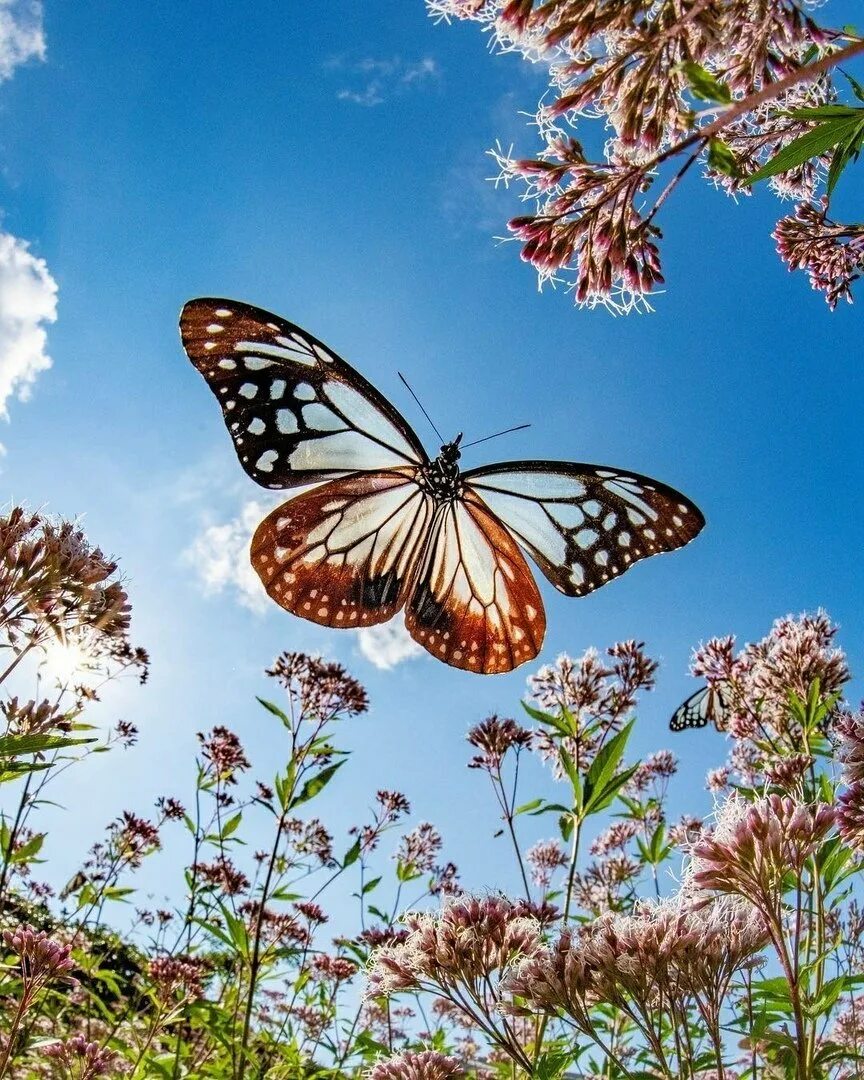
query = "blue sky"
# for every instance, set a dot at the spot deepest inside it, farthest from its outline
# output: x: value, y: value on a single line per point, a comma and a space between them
x: 330, y: 166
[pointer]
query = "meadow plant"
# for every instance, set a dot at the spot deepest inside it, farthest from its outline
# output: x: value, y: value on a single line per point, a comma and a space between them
x: 744, y: 90
x: 639, y: 945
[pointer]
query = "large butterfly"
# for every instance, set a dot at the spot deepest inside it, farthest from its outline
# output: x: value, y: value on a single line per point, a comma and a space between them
x: 387, y: 527
x: 706, y: 705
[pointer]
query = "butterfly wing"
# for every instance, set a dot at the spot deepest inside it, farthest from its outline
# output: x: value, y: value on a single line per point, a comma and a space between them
x: 298, y: 414
x: 585, y: 524
x: 705, y: 705
x: 475, y: 604
x: 344, y: 553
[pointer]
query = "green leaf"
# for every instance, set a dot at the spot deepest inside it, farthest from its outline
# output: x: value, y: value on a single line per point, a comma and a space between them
x: 526, y: 808
x: 704, y: 85
x: 231, y: 825
x: 823, y: 112
x: 604, y: 766
x: 810, y: 145
x: 721, y: 159
x: 315, y: 784
x: 605, y: 796
x: 351, y: 855
x: 275, y: 710
x: 370, y: 885
x: 556, y: 722
x: 15, y: 745
x: 27, y: 851
x: 857, y: 88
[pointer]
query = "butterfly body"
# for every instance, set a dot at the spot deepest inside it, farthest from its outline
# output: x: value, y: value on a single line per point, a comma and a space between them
x: 387, y: 528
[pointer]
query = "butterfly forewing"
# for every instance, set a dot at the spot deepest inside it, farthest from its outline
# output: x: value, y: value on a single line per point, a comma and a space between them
x: 297, y: 413
x: 585, y: 524
x: 475, y: 604
x: 345, y: 553
x: 701, y: 708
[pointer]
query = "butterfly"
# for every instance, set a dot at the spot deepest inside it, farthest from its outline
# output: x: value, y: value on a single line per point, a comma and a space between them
x: 387, y: 527
x: 707, y: 704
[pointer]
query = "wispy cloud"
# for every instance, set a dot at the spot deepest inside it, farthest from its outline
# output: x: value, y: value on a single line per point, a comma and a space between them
x: 21, y: 34
x: 387, y: 645
x: 219, y: 558
x: 373, y: 81
x: 28, y: 302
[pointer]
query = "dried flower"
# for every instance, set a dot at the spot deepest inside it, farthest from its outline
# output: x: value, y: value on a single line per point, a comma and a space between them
x: 223, y: 875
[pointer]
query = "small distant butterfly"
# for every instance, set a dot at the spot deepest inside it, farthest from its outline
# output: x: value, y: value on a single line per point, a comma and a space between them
x: 388, y: 527
x: 707, y: 704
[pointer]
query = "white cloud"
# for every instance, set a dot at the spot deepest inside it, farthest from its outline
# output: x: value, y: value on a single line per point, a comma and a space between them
x: 28, y: 301
x: 387, y: 645
x: 377, y: 80
x: 219, y: 556
x: 21, y: 35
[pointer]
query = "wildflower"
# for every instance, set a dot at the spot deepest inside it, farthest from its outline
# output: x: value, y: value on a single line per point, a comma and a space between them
x: 223, y: 875
x: 31, y: 718
x: 685, y: 831
x: 127, y: 733
x: 659, y: 766
x: 757, y: 683
x: 445, y: 880
x: 40, y: 957
x: 598, y: 888
x: 717, y: 780
x: 393, y: 805
x: 850, y: 727
x: 310, y: 911
x: 172, y: 809
x: 310, y: 838
x: 322, y: 689
x: 615, y: 838
x: 412, y: 1065
x: 831, y: 253
x: 465, y: 943
x: 419, y: 848
x: 172, y: 975
x: 81, y: 1058
x: 334, y: 969
x: 755, y: 845
x: 787, y: 772
x: 224, y: 754
x: 494, y: 737
x: 544, y: 858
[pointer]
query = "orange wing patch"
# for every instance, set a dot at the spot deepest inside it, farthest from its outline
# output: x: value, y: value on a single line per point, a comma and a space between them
x: 475, y: 604
x: 344, y: 554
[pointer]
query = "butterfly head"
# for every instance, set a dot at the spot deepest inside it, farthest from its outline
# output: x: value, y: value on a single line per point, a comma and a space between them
x: 450, y: 452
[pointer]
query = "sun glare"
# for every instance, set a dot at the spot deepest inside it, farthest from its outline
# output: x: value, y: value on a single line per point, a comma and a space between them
x: 66, y: 662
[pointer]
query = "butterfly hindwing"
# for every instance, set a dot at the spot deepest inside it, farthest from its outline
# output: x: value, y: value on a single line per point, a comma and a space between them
x: 297, y: 413
x: 585, y: 524
x: 701, y: 708
x: 344, y: 554
x: 475, y: 604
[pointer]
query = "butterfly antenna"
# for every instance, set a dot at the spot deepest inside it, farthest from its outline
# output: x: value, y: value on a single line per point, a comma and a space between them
x: 486, y: 438
x: 420, y: 403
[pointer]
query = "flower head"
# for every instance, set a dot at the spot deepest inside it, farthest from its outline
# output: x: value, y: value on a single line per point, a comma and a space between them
x: 413, y: 1065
